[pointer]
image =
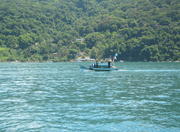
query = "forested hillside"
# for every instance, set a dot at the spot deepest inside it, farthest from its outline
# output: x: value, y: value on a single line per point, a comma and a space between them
x: 61, y: 30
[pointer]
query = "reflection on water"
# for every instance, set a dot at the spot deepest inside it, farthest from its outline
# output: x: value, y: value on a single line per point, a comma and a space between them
x: 61, y: 97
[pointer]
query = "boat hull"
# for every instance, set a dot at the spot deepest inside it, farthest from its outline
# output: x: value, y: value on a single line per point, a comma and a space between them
x: 103, y: 69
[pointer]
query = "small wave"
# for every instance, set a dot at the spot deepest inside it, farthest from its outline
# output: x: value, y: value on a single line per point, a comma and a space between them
x: 151, y: 70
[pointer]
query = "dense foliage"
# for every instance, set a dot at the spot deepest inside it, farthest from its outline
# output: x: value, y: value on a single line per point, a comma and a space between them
x: 61, y: 30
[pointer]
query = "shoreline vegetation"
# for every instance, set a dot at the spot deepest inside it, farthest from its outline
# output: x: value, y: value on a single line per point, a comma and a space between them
x: 78, y: 60
x: 61, y: 30
x: 75, y: 60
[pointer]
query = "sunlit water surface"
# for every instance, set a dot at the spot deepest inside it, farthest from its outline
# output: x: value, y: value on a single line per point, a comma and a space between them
x: 57, y: 97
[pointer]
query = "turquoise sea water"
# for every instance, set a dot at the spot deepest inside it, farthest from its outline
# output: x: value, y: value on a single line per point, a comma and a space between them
x: 60, y: 97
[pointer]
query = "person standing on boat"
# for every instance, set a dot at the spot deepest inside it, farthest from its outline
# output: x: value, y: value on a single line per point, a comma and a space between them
x: 96, y: 65
x: 109, y: 64
x: 114, y: 57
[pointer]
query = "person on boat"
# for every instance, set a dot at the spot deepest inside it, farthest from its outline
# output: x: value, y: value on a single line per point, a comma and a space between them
x: 96, y: 64
x: 109, y: 64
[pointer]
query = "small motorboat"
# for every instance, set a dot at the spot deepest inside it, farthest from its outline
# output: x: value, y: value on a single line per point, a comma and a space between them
x: 101, y: 66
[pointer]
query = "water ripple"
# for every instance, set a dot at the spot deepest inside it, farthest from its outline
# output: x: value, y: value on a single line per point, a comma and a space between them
x: 61, y: 97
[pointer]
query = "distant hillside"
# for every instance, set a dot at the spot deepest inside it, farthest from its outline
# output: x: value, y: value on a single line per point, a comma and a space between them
x: 61, y: 30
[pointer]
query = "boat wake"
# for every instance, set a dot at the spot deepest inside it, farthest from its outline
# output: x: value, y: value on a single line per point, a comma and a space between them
x: 165, y: 70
